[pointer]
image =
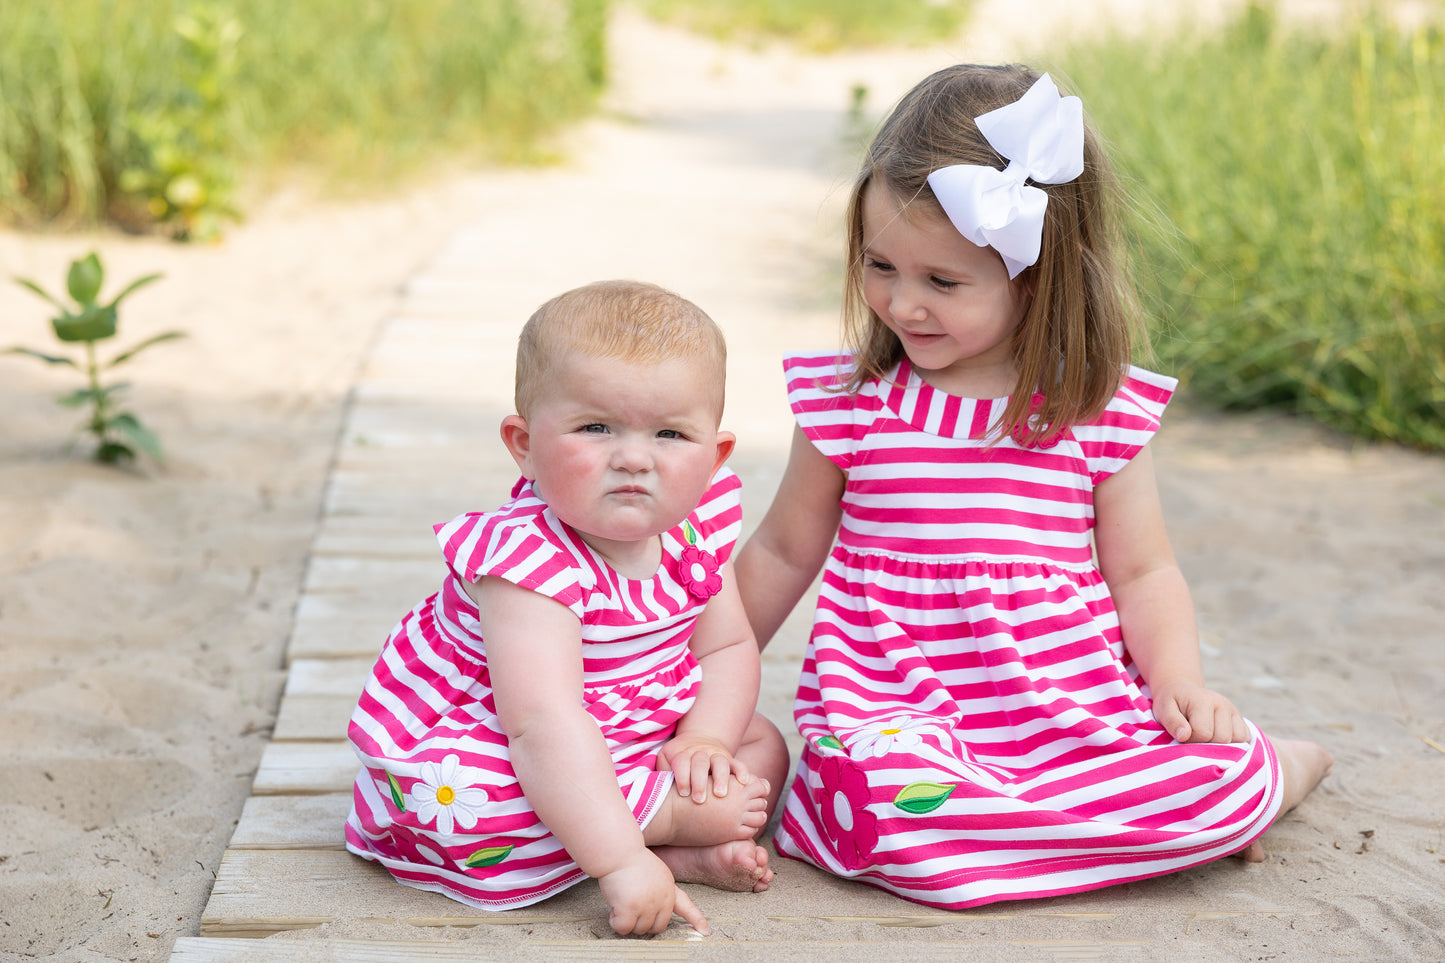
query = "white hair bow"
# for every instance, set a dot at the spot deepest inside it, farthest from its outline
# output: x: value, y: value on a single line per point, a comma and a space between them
x: 1042, y: 136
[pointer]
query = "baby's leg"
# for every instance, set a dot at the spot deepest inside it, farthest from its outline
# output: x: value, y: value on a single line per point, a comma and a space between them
x: 1302, y: 764
x: 713, y: 842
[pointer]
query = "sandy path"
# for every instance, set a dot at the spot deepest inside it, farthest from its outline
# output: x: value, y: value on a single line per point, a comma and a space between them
x: 143, y: 616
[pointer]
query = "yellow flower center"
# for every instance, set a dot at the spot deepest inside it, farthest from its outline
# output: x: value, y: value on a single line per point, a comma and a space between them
x: 889, y: 732
x: 446, y: 795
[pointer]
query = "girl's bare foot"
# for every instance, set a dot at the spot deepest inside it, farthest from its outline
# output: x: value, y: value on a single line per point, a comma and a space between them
x: 739, y: 815
x: 1302, y: 764
x: 739, y: 866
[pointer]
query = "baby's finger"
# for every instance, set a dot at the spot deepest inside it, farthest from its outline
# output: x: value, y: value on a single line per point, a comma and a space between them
x: 682, y: 775
x: 1241, y: 731
x: 721, y: 766
x: 699, y: 777
x: 741, y: 771
x: 683, y: 906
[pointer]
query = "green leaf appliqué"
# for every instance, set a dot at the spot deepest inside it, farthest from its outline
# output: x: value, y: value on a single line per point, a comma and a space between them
x: 830, y: 742
x: 396, y: 794
x: 689, y: 533
x: 483, y: 858
x: 922, y: 797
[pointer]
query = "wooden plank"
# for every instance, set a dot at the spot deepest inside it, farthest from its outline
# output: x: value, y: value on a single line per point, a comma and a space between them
x: 313, y: 718
x: 206, y: 950
x: 259, y: 892
x: 400, y: 577
x: 327, y: 676
x: 304, y: 768
x: 292, y: 822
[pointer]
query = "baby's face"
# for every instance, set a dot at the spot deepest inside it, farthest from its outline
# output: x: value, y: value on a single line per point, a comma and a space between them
x: 623, y: 452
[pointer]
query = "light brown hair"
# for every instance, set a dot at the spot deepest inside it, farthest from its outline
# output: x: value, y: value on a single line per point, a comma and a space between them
x: 1082, y: 318
x: 631, y: 321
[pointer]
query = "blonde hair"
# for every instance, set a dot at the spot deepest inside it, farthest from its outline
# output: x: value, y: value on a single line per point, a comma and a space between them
x: 631, y: 321
x: 1082, y: 319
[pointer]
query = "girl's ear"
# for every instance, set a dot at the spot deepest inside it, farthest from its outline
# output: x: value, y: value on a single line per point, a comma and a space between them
x: 518, y: 440
x: 725, y: 442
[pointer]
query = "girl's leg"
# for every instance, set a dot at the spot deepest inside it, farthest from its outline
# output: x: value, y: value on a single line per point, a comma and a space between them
x: 714, y: 842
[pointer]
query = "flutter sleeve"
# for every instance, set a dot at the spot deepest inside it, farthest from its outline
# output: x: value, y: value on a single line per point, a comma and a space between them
x: 515, y: 544
x: 719, y: 516
x: 1131, y: 420
x: 832, y: 418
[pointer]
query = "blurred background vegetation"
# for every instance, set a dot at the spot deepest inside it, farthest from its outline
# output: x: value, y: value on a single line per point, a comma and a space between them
x: 1291, y: 222
x: 1290, y: 182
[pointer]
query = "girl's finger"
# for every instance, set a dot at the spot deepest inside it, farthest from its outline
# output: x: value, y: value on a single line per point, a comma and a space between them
x: 1173, y: 720
x: 683, y: 906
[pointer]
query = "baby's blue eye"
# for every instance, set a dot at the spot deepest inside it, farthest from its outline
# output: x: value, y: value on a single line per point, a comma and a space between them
x: 595, y: 429
x: 669, y: 433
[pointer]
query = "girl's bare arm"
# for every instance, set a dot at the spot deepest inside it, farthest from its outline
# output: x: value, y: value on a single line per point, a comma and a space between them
x: 1156, y: 613
x: 784, y: 555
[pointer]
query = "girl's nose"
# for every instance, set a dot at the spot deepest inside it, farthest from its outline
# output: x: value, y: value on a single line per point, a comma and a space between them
x: 905, y: 302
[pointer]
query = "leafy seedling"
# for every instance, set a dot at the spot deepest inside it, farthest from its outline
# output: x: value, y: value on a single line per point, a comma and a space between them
x: 118, y: 434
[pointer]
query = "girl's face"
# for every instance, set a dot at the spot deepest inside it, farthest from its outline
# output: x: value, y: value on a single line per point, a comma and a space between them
x: 949, y: 301
x: 622, y: 452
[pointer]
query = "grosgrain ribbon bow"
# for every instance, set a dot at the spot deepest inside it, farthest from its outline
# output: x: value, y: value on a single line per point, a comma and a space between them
x: 1042, y: 136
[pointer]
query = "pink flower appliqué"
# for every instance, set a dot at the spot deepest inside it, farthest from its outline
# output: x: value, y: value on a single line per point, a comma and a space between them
x: 843, y: 808
x: 698, y: 572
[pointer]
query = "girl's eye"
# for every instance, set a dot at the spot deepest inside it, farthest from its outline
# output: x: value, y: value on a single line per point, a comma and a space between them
x: 943, y: 284
x: 874, y: 264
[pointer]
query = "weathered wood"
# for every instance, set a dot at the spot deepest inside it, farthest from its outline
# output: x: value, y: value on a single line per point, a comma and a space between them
x: 258, y: 892
x: 210, y: 950
x: 313, y: 718
x: 292, y: 822
x: 327, y: 676
x: 304, y: 768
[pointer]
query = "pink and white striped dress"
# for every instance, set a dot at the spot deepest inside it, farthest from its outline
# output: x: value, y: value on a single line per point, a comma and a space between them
x: 437, y: 802
x: 975, y: 730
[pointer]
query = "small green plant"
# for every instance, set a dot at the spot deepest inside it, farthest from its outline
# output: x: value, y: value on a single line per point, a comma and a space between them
x: 118, y: 434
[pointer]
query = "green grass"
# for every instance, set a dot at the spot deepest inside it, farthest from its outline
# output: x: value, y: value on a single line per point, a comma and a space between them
x: 1292, y: 224
x: 124, y: 109
x: 818, y: 25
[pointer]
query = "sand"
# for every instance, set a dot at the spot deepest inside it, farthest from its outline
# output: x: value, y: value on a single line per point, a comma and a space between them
x: 144, y: 612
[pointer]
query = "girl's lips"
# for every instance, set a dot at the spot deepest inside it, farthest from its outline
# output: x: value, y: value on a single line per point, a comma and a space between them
x: 918, y: 338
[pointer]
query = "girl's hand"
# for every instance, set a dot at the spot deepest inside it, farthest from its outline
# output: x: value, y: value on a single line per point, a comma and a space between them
x: 1192, y: 713
x: 692, y: 757
x: 643, y: 896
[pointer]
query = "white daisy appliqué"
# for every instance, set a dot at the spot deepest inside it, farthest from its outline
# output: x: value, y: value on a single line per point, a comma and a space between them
x: 898, y: 733
x: 448, y: 793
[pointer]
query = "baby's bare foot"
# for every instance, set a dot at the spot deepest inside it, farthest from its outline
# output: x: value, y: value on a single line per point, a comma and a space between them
x: 718, y: 819
x: 739, y: 866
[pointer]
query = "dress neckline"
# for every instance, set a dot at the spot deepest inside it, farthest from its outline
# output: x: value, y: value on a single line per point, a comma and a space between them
x: 935, y: 411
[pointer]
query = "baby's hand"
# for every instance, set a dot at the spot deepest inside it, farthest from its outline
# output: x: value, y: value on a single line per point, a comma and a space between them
x: 643, y: 896
x: 692, y: 757
x: 1192, y: 713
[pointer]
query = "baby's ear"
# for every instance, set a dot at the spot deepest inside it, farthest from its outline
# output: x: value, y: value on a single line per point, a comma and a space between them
x: 518, y: 439
x: 726, y: 441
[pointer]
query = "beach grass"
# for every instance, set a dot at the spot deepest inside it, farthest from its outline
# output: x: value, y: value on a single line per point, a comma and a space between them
x: 817, y: 25
x: 1291, y: 217
x: 144, y: 110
